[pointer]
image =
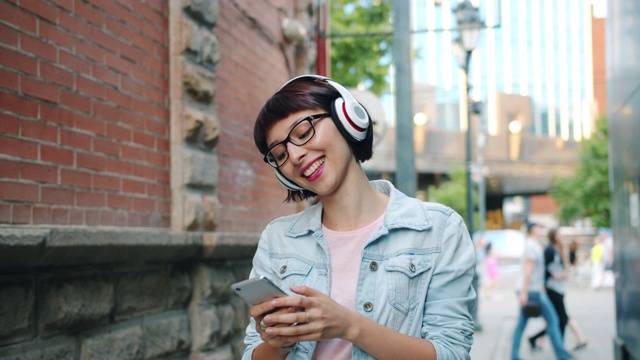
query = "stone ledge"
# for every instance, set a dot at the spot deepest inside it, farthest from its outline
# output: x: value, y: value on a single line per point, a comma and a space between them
x: 36, y: 246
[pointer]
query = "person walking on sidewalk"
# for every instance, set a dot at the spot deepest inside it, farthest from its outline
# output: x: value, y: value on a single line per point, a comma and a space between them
x: 556, y: 275
x: 531, y: 288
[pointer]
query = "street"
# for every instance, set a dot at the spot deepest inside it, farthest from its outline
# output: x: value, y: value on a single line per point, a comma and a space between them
x: 594, y: 311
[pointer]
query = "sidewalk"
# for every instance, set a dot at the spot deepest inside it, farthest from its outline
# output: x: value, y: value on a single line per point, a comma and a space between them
x: 594, y: 312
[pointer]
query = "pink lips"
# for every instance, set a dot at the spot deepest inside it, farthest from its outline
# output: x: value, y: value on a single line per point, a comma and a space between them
x: 317, y: 173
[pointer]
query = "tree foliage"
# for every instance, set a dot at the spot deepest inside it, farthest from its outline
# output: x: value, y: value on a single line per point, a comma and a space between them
x: 453, y: 193
x: 361, y: 59
x: 587, y: 193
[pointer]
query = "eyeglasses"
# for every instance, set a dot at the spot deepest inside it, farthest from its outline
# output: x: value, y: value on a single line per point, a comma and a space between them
x: 299, y: 135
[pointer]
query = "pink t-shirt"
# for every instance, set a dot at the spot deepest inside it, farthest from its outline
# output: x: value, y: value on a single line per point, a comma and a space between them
x: 345, y: 252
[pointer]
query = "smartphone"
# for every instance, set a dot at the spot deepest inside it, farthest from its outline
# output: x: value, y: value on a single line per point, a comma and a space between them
x: 257, y: 290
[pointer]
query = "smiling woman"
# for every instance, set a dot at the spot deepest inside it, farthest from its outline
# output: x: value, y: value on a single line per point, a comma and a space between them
x: 408, y: 292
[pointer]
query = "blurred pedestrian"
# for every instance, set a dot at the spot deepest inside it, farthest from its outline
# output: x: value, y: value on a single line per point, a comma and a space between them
x: 608, y: 278
x: 573, y: 255
x: 530, y: 287
x: 556, y: 275
x: 492, y: 275
x: 597, y: 264
x: 370, y: 272
x: 480, y: 245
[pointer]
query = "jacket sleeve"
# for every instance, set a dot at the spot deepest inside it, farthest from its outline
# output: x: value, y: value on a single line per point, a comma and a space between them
x: 447, y: 320
x: 260, y: 267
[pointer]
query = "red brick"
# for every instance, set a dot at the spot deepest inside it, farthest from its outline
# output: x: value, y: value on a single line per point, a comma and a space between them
x: 107, y: 41
x: 19, y: 191
x: 90, y: 124
x: 67, y: 4
x: 74, y: 62
x: 56, y: 74
x: 42, y: 10
x: 89, y: 50
x: 116, y: 201
x: 21, y: 214
x: 144, y: 204
x: 19, y: 61
x: 108, y: 112
x: 90, y: 87
x: 133, y: 186
x: 89, y: 13
x: 120, y: 98
x: 18, y: 147
x: 60, y: 216
x: 90, y: 161
x: 75, y: 101
x: 73, y: 24
x: 92, y: 217
x: 106, y: 146
x: 75, y: 139
x: 9, y: 168
x: 75, y: 178
x: 118, y: 132
x: 132, y: 153
x: 114, y: 61
x: 58, y: 196
x: 18, y: 17
x: 38, y: 172
x: 106, y: 182
x: 106, y: 75
x: 54, y: 113
x: 39, y: 130
x: 157, y: 159
x: 9, y: 80
x: 158, y: 190
x: 55, y: 35
x: 107, y: 218
x: 39, y: 89
x: 120, y: 167
x: 41, y: 214
x: 76, y: 217
x: 18, y: 104
x: 8, y: 35
x: 56, y: 155
x: 5, y: 213
x: 38, y: 47
x: 90, y: 199
x: 131, y: 119
x: 156, y: 127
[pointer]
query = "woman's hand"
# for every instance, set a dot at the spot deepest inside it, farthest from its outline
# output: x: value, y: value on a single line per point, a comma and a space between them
x: 259, y: 312
x: 523, y: 298
x: 317, y: 317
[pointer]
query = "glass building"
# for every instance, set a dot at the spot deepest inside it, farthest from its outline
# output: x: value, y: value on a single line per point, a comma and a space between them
x: 541, y: 50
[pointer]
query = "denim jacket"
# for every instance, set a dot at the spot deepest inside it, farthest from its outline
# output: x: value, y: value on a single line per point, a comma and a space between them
x: 415, y: 272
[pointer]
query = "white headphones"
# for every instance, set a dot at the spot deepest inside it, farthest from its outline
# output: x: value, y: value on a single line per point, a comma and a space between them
x: 350, y: 118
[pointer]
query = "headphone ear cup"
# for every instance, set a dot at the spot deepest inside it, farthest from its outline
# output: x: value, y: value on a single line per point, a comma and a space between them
x: 288, y: 184
x: 356, y: 130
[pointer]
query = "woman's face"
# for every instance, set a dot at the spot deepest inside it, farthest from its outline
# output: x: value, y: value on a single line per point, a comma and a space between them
x: 321, y: 164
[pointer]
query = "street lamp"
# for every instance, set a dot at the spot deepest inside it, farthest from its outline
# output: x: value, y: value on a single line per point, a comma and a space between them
x: 469, y: 26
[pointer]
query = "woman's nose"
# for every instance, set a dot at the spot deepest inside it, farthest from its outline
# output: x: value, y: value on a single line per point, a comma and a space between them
x: 296, y: 153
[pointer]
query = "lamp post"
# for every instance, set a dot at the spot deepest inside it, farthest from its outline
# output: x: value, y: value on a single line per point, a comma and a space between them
x: 469, y: 26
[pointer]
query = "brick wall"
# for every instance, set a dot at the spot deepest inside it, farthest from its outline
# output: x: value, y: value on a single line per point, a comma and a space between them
x: 84, y: 112
x: 255, y: 62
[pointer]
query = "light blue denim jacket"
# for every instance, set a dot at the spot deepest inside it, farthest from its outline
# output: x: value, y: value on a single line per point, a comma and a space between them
x: 415, y: 272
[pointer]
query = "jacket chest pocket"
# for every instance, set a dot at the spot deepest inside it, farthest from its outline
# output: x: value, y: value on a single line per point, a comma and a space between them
x: 406, y: 280
x: 292, y: 272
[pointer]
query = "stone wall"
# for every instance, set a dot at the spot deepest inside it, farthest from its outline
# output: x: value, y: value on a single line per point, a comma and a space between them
x: 120, y: 294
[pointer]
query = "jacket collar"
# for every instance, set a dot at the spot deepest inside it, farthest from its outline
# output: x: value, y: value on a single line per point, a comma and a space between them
x: 402, y: 212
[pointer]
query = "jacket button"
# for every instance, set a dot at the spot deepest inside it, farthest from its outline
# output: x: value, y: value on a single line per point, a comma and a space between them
x: 373, y: 266
x: 368, y: 306
x: 412, y: 268
x: 283, y: 269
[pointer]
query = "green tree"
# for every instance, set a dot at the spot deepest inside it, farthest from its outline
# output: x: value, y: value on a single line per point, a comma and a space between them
x: 587, y: 194
x: 361, y: 43
x: 453, y: 193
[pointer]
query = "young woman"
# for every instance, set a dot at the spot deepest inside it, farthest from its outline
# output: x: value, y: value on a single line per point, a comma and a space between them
x: 372, y: 273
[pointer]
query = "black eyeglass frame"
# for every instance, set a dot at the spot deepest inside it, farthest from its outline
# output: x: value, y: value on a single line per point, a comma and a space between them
x: 310, y: 119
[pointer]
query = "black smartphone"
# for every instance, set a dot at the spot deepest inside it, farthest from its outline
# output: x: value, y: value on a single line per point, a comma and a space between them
x: 257, y: 290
